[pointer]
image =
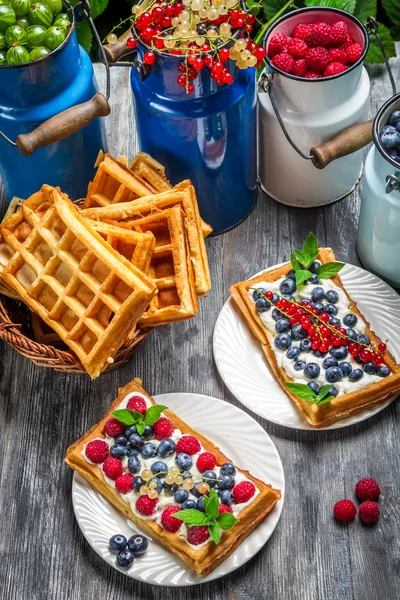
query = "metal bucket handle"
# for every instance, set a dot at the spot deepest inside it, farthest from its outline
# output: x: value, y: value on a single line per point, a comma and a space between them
x: 118, y: 50
x: 75, y: 118
x: 347, y: 141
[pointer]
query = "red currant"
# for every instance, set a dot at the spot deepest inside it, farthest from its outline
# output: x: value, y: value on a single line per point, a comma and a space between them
x: 147, y: 33
x: 324, y: 347
x: 178, y: 8
x: 191, y: 58
x: 379, y: 360
x: 382, y: 347
x: 239, y: 22
x: 312, y: 330
x: 176, y: 51
x: 158, y: 42
x: 139, y: 24
x: 234, y: 14
x: 198, y: 64
x: 325, y: 332
x: 228, y: 78
x: 324, y: 317
x: 223, y: 54
x: 305, y: 303
x: 181, y: 79
x: 191, y: 87
x: 315, y: 345
x: 166, y: 22
x: 146, y: 18
x: 169, y: 10
x: 259, y: 53
x: 205, y: 47
x: 250, y: 19
x: 192, y: 74
x: 269, y: 295
x: 149, y: 58
x: 131, y: 43
x: 158, y: 14
x: 182, y: 68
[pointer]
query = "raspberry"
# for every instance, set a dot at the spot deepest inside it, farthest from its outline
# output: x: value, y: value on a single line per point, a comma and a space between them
x: 206, y: 462
x: 317, y: 59
x: 353, y: 52
x: 137, y: 403
x: 338, y: 55
x: 163, y: 428
x: 367, y: 489
x: 145, y: 505
x: 301, y: 31
x: 112, y: 467
x: 284, y: 62
x: 277, y: 43
x: 334, y: 68
x: 369, y: 512
x: 224, y: 508
x: 300, y: 68
x: 312, y: 75
x: 123, y: 483
x: 319, y: 35
x: 97, y: 451
x: 114, y: 428
x: 344, y: 510
x: 198, y: 534
x: 188, y: 444
x: 169, y: 522
x: 349, y: 40
x: 297, y: 48
x: 338, y: 33
x: 243, y: 491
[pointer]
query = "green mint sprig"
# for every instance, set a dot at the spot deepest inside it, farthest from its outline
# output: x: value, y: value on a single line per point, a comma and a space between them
x: 133, y: 417
x: 301, y: 390
x: 216, y: 522
x: 302, y: 261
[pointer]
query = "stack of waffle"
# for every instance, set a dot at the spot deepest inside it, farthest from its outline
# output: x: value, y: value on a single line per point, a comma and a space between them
x: 134, y: 255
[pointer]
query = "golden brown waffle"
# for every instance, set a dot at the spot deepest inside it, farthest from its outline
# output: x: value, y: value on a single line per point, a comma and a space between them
x: 80, y: 286
x: 151, y: 171
x: 182, y: 195
x: 43, y: 334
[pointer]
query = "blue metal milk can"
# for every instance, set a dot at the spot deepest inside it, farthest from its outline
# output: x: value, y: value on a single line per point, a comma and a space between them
x: 49, y: 130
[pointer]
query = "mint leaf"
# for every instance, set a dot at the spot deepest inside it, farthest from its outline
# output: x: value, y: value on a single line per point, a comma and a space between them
x: 295, y: 263
x: 140, y: 427
x: 153, y: 413
x: 325, y: 400
x: 226, y: 521
x: 302, y: 276
x: 324, y: 391
x: 374, y: 54
x: 192, y: 517
x: 328, y: 270
x: 310, y: 247
x: 212, y: 505
x: 303, y: 259
x: 126, y: 416
x: 301, y: 390
x: 213, y: 530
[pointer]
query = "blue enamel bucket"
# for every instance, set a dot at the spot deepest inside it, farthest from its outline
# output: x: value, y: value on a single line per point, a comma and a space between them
x: 36, y: 101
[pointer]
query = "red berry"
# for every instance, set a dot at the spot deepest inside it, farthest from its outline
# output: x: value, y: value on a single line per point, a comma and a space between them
x: 97, y: 451
x: 243, y: 491
x: 353, y: 53
x: 382, y: 347
x: 319, y: 35
x: 208, y: 61
x: 301, y: 31
x: 217, y: 67
x: 206, y: 462
x: 191, y: 58
x: 338, y: 55
x: 198, y: 64
x: 223, y: 508
x: 157, y: 13
x: 147, y: 33
x: 158, y: 42
x: 324, y: 317
x: 365, y: 355
x: 344, y: 510
x: 124, y: 482
x: 317, y: 60
x: 349, y: 41
x: 145, y: 505
x: 250, y: 19
x: 223, y: 55
x: 284, y: 62
x: 259, y: 52
x: 369, y: 512
x: 205, y: 47
x: 269, y: 295
x: 297, y: 48
x: 188, y: 444
x: 112, y: 467
x: 166, y: 22
x: 228, y: 78
x: 168, y: 521
x: 182, y: 68
x: 190, y: 87
x: 137, y: 403
x: 334, y: 69
x: 192, y: 74
x: 114, y: 428
x: 367, y: 489
x: 178, y: 8
x: 338, y: 34
x: 146, y: 18
x: 181, y: 80
x: 169, y: 10
x: 277, y: 43
x: 198, y: 534
x: 163, y: 428
x: 131, y: 43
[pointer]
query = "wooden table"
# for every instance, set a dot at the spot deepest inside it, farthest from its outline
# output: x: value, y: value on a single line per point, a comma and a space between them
x: 43, y: 554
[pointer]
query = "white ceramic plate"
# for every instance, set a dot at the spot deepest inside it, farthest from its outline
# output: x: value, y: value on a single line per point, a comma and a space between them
x: 99, y: 520
x: 244, y: 369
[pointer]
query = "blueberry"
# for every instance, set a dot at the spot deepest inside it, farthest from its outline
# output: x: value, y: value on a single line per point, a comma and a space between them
x: 305, y: 345
x: 350, y: 320
x: 158, y: 484
x: 356, y: 374
x: 130, y: 431
x: 358, y: 360
x: 314, y: 279
x: 133, y: 451
x: 159, y: 469
x: 332, y: 296
x: 148, y: 432
x: 138, y: 544
x: 283, y: 341
x: 370, y: 368
x: 292, y: 353
x: 315, y: 266
x: 282, y: 325
x: 319, y: 306
x: 117, y: 451
x: 262, y: 305
x: 331, y: 309
x: 333, y: 374
x: 225, y: 482
x: 287, y: 287
x: 318, y: 294
x: 394, y: 118
x: 181, y: 496
x: 228, y: 469
x: 394, y: 153
x: 149, y: 450
x: 351, y: 333
x: 118, y: 542
x: 390, y: 137
x: 339, y: 352
x: 312, y: 370
x: 186, y: 475
x: 299, y: 365
x: 334, y: 321
x: 195, y: 490
x: 200, y: 504
x: 291, y: 298
x: 383, y: 371
x: 121, y: 440
x: 125, y: 558
x: 329, y: 361
x: 136, y: 440
x: 314, y: 386
x: 298, y: 333
x: 292, y: 274
x: 333, y: 391
x: 184, y: 461
x: 170, y: 488
x: 319, y: 354
x: 189, y: 504
x: 258, y: 293
x: 166, y: 448
x: 210, y: 477
x: 276, y: 314
x: 345, y: 367
x: 138, y: 482
x: 134, y: 465
x: 363, y: 339
x: 225, y: 497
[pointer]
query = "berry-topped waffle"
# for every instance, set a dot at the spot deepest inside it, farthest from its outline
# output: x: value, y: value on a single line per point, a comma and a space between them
x: 320, y: 347
x: 171, y: 481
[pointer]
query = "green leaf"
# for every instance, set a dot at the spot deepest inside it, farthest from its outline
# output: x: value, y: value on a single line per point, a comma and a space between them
x: 325, y: 400
x: 302, y: 276
x: 85, y: 35
x: 153, y: 413
x: 140, y: 427
x: 295, y: 263
x: 392, y: 9
x: 303, y: 260
x: 213, y: 530
x: 365, y: 9
x: 97, y: 7
x: 129, y: 417
x: 271, y: 7
x: 323, y: 391
x: 192, y: 517
x: 301, y: 390
x: 328, y: 270
x: 374, y: 54
x: 331, y: 3
x: 212, y: 505
x: 310, y: 247
x: 226, y: 521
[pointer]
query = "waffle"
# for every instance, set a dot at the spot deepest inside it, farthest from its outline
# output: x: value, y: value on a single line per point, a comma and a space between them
x: 343, y: 405
x: 83, y: 289
x: 182, y: 195
x: 43, y: 334
x: 204, y: 558
x: 150, y: 171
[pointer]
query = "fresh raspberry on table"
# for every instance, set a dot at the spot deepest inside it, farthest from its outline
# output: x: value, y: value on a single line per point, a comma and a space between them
x: 301, y: 31
x: 300, y: 67
x: 145, y: 505
x: 297, y: 48
x: 284, y: 62
x: 277, y: 43
x: 112, y: 467
x: 198, y: 534
x: 163, y: 428
x: 168, y: 521
x: 367, y: 489
x: 114, y: 428
x: 338, y: 55
x: 97, y: 451
x: 137, y: 403
x: 124, y: 483
x: 369, y: 512
x: 206, y: 462
x: 349, y: 40
x: 223, y: 508
x: 317, y: 59
x: 188, y: 444
x: 334, y: 68
x: 338, y: 33
x: 243, y: 491
x: 353, y: 53
x: 344, y: 510
x: 313, y: 75
x: 319, y: 35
